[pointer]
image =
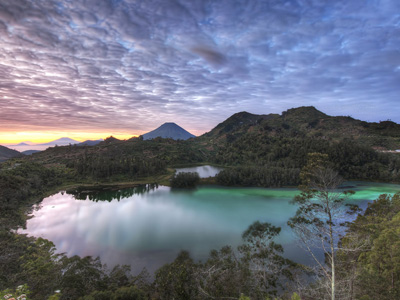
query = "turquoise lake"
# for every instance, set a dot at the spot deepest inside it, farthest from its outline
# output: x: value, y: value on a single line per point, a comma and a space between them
x: 147, y: 227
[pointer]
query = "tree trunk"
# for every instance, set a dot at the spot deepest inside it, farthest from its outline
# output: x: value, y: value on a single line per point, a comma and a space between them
x: 331, y: 237
x: 333, y: 277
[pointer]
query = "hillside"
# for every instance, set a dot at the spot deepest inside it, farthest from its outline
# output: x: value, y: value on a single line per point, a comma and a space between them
x: 257, y: 150
x: 7, y: 153
x: 311, y: 123
x: 90, y: 142
x: 270, y: 150
x: 238, y: 123
x: 115, y: 159
x: 168, y: 130
x: 260, y: 150
x: 30, y: 152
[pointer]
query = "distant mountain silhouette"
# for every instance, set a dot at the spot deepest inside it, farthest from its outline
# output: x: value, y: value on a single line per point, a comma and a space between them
x: 7, y: 153
x: 30, y: 152
x: 169, y: 130
x: 90, y: 142
x: 110, y: 140
x: 65, y: 141
x: 60, y: 142
x: 22, y: 144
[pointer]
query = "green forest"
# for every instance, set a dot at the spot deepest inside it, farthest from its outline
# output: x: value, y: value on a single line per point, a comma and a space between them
x: 366, y: 257
x: 299, y: 148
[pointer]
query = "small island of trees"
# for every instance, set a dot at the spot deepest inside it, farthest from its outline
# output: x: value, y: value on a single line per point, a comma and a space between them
x: 185, y: 180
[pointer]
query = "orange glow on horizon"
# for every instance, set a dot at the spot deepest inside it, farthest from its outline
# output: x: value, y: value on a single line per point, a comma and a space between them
x: 9, y: 137
x: 12, y: 138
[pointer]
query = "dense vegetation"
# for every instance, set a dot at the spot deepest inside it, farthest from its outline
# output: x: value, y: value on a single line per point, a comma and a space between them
x: 23, y: 182
x: 131, y: 159
x: 279, y: 164
x: 264, y: 176
x: 34, y: 262
x: 227, y: 273
x: 257, y: 150
x: 275, y: 147
x: 260, y: 150
x: 185, y: 180
x: 367, y: 267
x: 6, y: 153
x: 372, y: 269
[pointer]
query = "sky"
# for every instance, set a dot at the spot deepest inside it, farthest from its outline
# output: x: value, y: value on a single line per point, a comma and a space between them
x: 89, y: 69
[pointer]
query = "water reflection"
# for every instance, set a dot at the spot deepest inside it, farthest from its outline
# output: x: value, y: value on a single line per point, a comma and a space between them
x: 149, y: 225
x: 104, y: 193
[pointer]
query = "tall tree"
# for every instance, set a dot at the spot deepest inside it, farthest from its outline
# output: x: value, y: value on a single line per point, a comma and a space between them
x: 319, y: 217
x: 374, y: 263
x: 263, y: 256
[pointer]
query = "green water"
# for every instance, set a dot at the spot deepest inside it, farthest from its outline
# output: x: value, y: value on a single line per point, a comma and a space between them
x: 148, y: 227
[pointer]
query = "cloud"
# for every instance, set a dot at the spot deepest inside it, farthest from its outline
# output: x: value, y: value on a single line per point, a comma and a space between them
x: 210, y: 55
x: 132, y: 65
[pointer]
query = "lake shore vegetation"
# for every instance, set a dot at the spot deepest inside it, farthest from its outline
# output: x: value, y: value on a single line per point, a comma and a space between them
x: 256, y: 150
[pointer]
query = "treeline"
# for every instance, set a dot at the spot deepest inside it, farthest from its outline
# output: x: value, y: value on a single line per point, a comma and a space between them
x: 104, y: 167
x: 371, y: 270
x: 35, y: 263
x: 267, y: 149
x: 185, y: 180
x: 130, y: 159
x: 264, y: 176
x: 259, y: 160
x: 255, y: 159
x: 20, y: 183
x: 368, y: 262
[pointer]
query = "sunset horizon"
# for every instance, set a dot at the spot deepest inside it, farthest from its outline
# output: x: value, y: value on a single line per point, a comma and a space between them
x: 96, y: 68
x: 38, y: 137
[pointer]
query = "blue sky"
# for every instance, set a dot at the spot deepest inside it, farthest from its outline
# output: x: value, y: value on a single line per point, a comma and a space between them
x: 128, y: 66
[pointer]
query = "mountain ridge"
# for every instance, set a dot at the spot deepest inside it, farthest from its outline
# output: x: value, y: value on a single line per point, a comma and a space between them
x: 90, y: 142
x: 309, y: 122
x: 264, y: 150
x: 7, y: 153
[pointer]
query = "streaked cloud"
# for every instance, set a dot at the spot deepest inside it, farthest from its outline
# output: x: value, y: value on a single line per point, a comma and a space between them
x: 130, y: 66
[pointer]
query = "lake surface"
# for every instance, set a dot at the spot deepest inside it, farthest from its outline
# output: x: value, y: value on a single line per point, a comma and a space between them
x: 148, y: 226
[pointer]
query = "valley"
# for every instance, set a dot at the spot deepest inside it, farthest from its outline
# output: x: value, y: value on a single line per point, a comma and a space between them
x: 114, y: 199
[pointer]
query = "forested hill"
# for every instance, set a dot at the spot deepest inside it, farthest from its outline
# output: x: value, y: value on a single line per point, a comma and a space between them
x: 269, y: 150
x: 256, y: 150
x: 308, y: 122
x: 238, y: 123
x: 6, y: 153
x: 259, y: 150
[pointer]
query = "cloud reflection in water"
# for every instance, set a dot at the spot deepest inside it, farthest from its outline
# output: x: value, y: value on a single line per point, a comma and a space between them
x: 149, y: 229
